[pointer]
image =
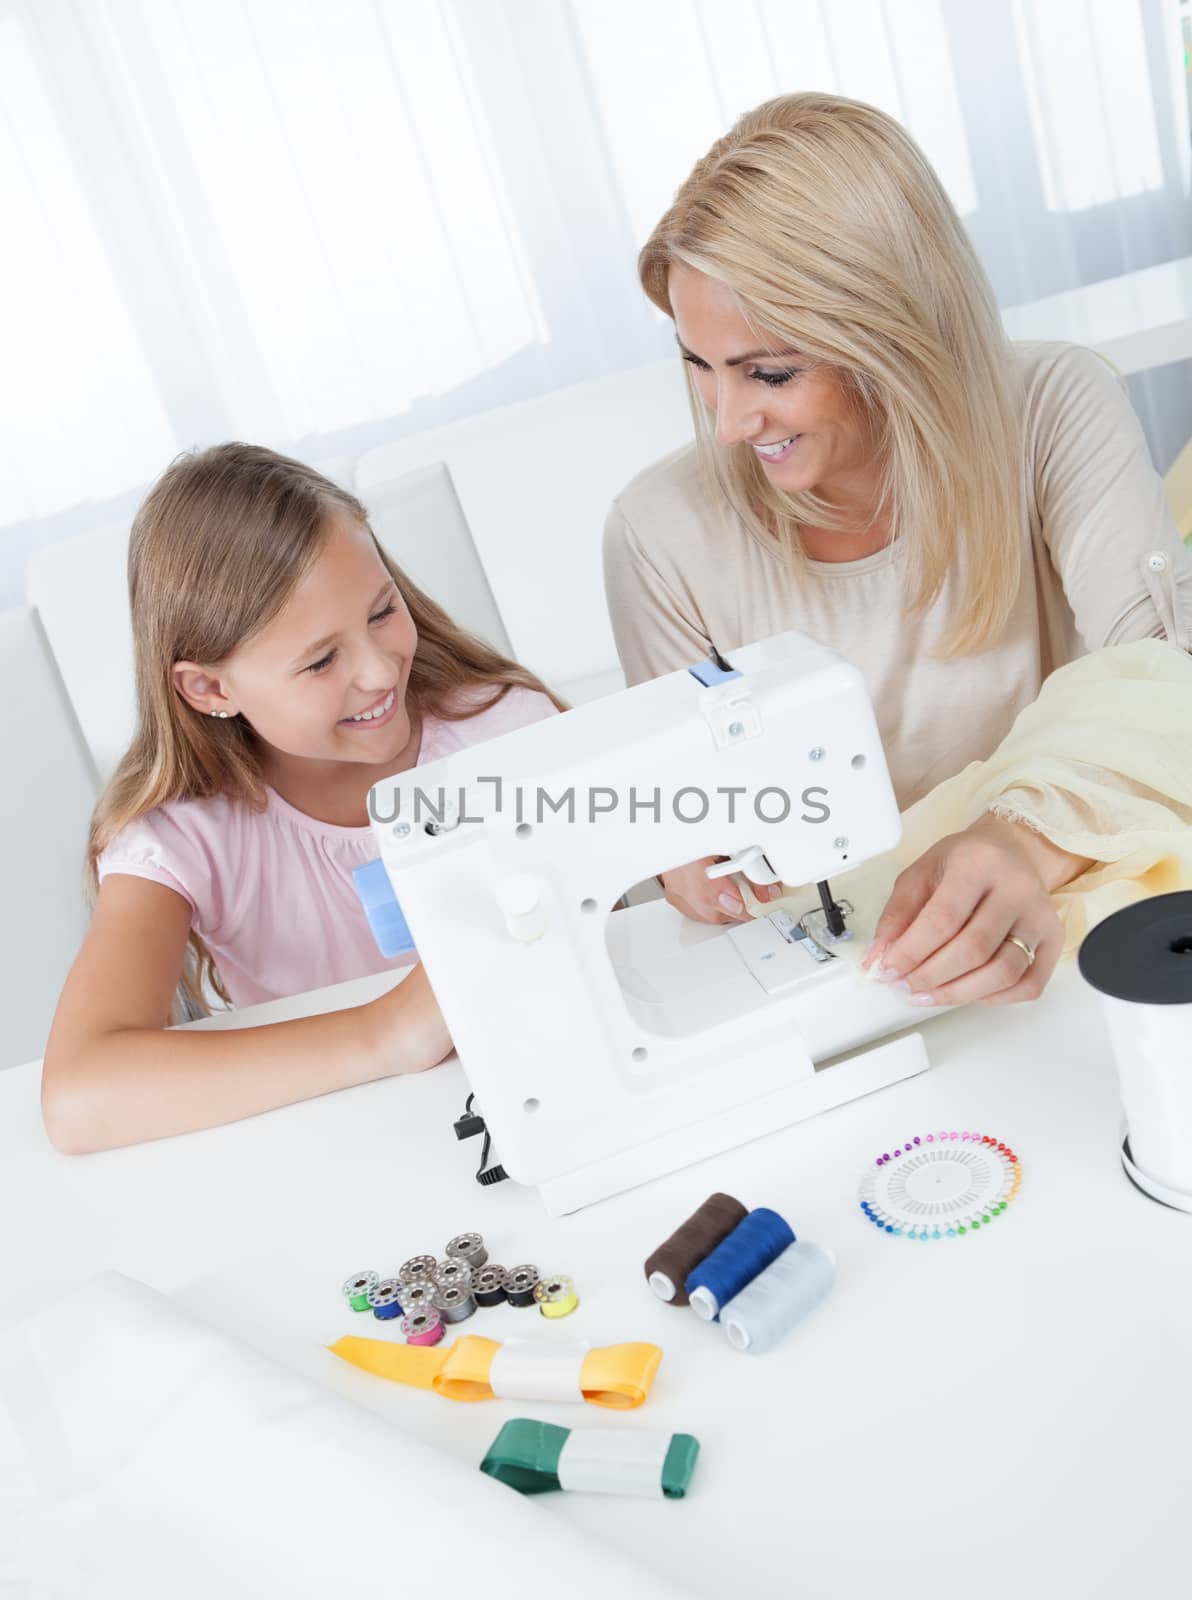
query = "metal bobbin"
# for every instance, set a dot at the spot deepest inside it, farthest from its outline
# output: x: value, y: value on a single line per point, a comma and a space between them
x: 417, y: 1269
x: 556, y: 1296
x: 417, y: 1296
x: 520, y: 1283
x: 468, y: 1247
x: 424, y: 1326
x: 385, y: 1300
x: 356, y: 1289
x: 454, y: 1302
x: 488, y: 1285
x: 453, y: 1271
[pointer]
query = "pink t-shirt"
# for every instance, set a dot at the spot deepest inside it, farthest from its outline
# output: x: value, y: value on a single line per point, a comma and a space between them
x: 271, y: 891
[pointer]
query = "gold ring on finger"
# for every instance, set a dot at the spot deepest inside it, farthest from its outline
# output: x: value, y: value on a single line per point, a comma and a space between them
x: 1012, y: 938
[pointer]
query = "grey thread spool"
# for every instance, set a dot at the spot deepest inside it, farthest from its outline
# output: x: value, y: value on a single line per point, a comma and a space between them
x: 779, y: 1298
x: 417, y: 1296
x: 417, y: 1269
x: 468, y: 1247
x: 454, y: 1302
x: 453, y: 1271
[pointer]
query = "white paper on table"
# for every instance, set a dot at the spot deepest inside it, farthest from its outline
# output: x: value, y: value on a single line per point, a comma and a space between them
x: 143, y: 1453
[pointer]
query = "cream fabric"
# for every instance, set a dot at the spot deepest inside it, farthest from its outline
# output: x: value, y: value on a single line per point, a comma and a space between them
x: 1101, y: 764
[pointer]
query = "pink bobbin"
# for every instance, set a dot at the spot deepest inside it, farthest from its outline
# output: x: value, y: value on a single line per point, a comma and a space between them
x: 423, y: 1326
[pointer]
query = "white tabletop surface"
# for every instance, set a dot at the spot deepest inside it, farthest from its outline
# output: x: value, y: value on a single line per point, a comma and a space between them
x: 1138, y: 320
x: 1002, y: 1414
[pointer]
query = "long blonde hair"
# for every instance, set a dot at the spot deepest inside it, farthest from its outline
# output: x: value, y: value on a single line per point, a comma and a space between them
x: 839, y: 242
x: 216, y: 550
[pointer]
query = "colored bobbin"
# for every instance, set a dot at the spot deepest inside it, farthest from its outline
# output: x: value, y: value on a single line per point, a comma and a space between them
x: 940, y: 1185
x: 424, y: 1326
x: 468, y: 1247
x: 384, y: 1300
x: 454, y: 1302
x: 520, y: 1283
x: 356, y: 1289
x: 417, y: 1296
x: 453, y: 1271
x: 417, y: 1269
x: 556, y: 1296
x: 488, y: 1285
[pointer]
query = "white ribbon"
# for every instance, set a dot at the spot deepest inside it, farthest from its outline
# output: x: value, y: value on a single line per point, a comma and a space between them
x: 614, y: 1461
x: 522, y: 1370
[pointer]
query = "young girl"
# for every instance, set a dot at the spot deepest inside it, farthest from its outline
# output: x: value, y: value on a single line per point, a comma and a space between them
x: 284, y: 664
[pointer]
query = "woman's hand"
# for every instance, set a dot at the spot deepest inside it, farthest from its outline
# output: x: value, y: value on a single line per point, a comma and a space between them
x: 951, y: 929
x: 704, y: 899
x: 406, y: 1028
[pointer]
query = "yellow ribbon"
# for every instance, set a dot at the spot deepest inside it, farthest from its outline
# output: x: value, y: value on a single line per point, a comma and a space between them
x: 614, y: 1375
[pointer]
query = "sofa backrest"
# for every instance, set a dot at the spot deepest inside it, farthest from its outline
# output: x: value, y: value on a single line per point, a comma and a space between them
x: 535, y: 482
x: 45, y: 804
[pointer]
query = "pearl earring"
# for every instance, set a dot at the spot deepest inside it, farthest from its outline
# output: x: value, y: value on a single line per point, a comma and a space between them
x: 217, y: 713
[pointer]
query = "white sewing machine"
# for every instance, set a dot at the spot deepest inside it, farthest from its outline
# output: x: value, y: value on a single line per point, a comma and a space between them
x: 606, y: 1046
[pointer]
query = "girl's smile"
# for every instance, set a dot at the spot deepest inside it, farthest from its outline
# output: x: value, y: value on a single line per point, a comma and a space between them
x: 373, y: 716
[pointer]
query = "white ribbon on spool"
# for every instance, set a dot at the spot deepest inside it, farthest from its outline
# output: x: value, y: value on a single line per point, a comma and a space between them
x: 1152, y: 1046
x: 613, y: 1461
x: 1140, y: 961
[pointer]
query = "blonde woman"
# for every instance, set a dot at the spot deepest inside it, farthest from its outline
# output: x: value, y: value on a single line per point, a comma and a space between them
x: 283, y: 665
x: 875, y: 465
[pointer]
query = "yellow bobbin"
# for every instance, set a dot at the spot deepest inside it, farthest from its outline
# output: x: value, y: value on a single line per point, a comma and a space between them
x: 556, y: 1296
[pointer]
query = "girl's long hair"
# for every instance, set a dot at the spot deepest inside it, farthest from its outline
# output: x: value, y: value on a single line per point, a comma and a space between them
x: 216, y: 550
x: 839, y: 242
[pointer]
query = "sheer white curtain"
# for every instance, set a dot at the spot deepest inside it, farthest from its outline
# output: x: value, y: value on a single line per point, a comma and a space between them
x: 323, y: 223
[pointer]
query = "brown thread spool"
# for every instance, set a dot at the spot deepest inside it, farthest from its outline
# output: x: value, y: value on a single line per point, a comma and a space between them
x: 667, y: 1268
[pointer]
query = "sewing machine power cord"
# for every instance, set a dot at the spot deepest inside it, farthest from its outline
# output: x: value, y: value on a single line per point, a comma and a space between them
x: 466, y: 1127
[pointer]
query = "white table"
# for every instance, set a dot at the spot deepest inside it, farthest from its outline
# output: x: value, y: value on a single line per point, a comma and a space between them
x: 998, y: 1415
x: 1138, y: 320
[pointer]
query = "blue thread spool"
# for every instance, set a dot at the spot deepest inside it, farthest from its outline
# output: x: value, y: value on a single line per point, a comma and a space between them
x: 737, y: 1260
x: 383, y: 1300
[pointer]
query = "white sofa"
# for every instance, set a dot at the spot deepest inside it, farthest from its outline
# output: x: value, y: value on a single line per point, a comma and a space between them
x: 46, y: 799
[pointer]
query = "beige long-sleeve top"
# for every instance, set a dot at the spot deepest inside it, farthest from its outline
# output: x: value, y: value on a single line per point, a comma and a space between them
x: 1104, y: 565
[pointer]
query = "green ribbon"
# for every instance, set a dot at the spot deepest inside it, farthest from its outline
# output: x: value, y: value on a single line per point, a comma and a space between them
x: 525, y: 1455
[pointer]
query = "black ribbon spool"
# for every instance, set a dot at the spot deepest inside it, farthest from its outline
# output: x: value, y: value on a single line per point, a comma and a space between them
x: 1143, y: 953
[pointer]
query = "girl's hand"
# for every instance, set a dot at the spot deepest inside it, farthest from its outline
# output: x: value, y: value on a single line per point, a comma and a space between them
x: 690, y: 891
x: 950, y: 928
x: 406, y: 1028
